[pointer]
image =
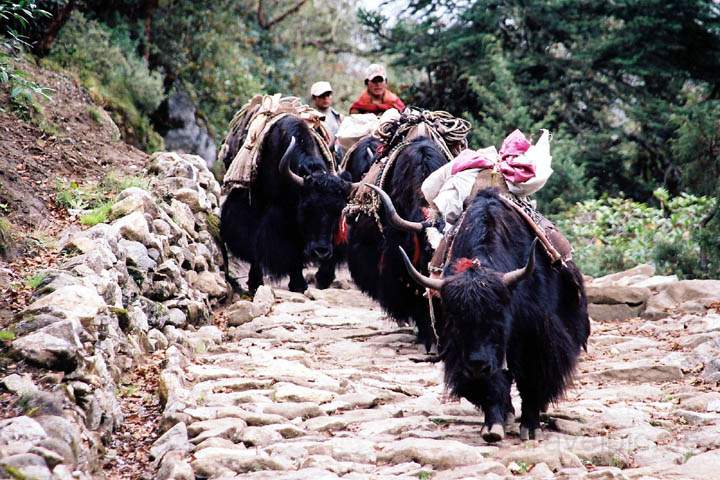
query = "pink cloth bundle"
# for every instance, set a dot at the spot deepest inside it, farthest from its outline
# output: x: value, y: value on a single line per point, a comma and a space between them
x: 511, y: 162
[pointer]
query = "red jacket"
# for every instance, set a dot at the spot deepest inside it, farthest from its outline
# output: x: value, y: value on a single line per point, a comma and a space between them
x: 364, y: 103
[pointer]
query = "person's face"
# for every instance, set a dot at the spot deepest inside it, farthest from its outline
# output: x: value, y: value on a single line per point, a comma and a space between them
x: 376, y: 86
x: 323, y: 101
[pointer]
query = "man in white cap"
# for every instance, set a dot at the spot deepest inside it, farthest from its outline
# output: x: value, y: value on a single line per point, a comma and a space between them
x: 321, y: 93
x: 376, y: 98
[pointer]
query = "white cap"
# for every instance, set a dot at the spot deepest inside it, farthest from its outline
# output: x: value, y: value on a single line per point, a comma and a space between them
x: 375, y: 70
x: 318, y: 88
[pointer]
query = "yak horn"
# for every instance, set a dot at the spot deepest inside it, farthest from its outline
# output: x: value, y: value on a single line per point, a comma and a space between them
x: 395, y: 220
x: 514, y: 276
x: 427, y: 282
x: 285, y: 165
x: 370, y: 153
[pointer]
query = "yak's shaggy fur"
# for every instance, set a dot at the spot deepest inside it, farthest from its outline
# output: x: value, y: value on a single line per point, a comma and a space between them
x: 539, y: 325
x: 360, y: 161
x: 373, y: 257
x: 278, y: 226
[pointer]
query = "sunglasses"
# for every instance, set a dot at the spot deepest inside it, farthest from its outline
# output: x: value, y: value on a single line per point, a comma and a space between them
x: 377, y: 79
x: 325, y: 95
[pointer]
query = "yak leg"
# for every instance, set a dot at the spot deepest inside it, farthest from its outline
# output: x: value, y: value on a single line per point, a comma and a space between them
x: 326, y: 273
x: 297, y: 281
x: 255, y: 278
x: 491, y: 395
x: 531, y: 406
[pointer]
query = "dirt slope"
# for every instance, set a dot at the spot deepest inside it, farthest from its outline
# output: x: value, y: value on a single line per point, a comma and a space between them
x: 70, y: 139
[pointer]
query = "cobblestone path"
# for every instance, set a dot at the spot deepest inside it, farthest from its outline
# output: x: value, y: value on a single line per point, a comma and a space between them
x: 324, y: 386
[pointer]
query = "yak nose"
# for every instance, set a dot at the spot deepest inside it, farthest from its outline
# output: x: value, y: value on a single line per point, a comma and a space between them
x: 321, y: 253
x: 480, y: 364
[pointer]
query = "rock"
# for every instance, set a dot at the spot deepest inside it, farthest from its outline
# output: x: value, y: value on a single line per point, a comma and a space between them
x: 484, y: 470
x: 211, y: 283
x: 290, y: 410
x: 62, y: 430
x: 210, y: 462
x: 643, y: 371
x: 51, y: 457
x: 639, y: 271
x: 157, y: 340
x: 703, y: 466
x: 175, y: 467
x: 19, y: 384
x: 134, y: 227
x: 221, y: 428
x: 674, y: 295
x: 702, y: 402
x: 441, y: 454
x: 613, y: 313
x: 21, y: 429
x: 137, y: 255
x: 289, y: 392
x: 175, y: 439
x: 613, y: 295
x: 26, y: 465
x: 259, y: 436
x: 541, y: 471
x: 193, y: 198
x: 47, y: 351
x: 183, y: 216
x: 263, y: 300
x: 240, y: 313
x: 551, y: 455
x: 347, y: 450
x: 131, y: 200
x: 182, y: 129
x: 71, y: 302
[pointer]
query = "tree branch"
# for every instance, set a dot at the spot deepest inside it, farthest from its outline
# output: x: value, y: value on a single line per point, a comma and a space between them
x: 268, y: 24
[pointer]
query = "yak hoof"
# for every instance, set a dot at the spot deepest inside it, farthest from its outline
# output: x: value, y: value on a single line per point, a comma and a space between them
x: 494, y: 434
x: 527, y: 434
x: 509, y: 420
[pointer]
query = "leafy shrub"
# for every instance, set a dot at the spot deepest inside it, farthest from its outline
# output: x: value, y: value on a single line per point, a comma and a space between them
x: 99, y: 214
x: 612, y: 234
x: 117, y: 78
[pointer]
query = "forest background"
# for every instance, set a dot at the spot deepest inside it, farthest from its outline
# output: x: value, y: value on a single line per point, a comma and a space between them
x: 629, y: 88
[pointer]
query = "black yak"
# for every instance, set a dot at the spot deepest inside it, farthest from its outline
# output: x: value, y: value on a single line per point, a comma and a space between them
x: 497, y: 309
x: 291, y: 214
x: 361, y: 158
x: 373, y: 257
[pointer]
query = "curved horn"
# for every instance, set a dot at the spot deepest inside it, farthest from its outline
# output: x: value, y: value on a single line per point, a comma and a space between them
x: 515, y: 276
x: 284, y: 166
x: 427, y: 282
x: 370, y: 153
x: 395, y: 220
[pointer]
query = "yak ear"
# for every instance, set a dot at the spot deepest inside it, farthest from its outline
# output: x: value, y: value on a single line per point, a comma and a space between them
x: 513, y: 277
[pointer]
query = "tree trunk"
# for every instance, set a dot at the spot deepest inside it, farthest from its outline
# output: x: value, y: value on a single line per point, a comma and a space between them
x: 47, y: 38
x: 148, y: 12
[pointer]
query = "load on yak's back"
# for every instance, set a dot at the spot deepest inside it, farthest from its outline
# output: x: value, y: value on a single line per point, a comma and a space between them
x: 283, y: 197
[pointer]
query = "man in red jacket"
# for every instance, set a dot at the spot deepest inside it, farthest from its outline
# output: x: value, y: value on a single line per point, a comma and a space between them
x: 376, y: 98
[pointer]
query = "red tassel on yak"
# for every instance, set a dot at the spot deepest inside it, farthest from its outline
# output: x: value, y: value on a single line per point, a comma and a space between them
x: 341, y: 234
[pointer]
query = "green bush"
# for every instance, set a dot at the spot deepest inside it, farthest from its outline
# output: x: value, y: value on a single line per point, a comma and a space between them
x: 99, y: 214
x: 612, y: 234
x: 116, y: 76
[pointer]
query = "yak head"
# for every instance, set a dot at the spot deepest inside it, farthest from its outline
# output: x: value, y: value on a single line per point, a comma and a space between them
x: 322, y: 199
x: 476, y: 314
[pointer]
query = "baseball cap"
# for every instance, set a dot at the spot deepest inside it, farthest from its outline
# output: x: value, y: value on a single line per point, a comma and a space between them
x: 375, y: 70
x: 318, y: 88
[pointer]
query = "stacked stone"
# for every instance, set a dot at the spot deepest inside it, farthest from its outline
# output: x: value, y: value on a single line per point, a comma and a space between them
x: 122, y: 289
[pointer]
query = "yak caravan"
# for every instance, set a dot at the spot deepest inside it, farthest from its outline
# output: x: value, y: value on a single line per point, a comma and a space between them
x: 469, y: 240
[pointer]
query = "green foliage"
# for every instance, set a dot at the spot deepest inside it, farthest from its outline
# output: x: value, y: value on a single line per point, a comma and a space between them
x: 7, y: 336
x: 34, y: 281
x: 99, y: 214
x: 15, y: 18
x: 95, y: 199
x: 633, y: 85
x: 612, y: 234
x: 117, y: 77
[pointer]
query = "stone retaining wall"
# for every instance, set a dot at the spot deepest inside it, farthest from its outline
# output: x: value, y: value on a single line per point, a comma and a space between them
x: 141, y: 283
